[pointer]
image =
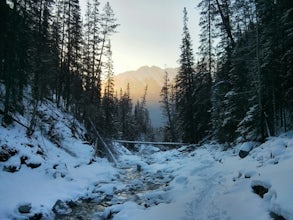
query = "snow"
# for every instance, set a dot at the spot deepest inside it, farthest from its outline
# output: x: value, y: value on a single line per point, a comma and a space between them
x: 187, y: 183
x: 248, y: 146
x: 213, y: 184
x: 65, y: 172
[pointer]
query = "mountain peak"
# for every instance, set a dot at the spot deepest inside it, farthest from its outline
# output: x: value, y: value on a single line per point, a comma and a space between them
x: 152, y: 76
x: 149, y: 68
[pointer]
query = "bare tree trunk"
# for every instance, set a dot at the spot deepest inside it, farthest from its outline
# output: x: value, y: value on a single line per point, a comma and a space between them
x: 226, y: 21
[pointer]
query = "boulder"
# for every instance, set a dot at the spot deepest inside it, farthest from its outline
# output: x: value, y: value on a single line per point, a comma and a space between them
x: 246, y: 147
x: 260, y: 187
x: 243, y: 153
x: 260, y: 190
x: 276, y: 216
x: 61, y: 208
x: 25, y: 208
x: 37, y: 216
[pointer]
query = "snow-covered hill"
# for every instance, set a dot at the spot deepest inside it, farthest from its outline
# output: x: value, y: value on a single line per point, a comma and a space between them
x: 55, y: 174
x: 53, y: 164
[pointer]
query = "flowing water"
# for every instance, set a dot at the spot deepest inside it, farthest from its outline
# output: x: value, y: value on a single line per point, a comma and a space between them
x: 137, y: 184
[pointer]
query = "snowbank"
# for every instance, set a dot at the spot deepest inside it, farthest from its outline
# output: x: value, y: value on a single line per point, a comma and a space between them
x: 212, y: 184
x: 48, y: 168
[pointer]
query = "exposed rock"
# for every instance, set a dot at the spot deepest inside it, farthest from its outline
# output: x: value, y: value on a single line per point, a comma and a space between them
x: 72, y: 204
x: 6, y: 153
x: 40, y: 151
x: 25, y: 208
x: 33, y: 165
x: 138, y: 168
x: 30, y: 145
x: 249, y: 174
x: 260, y: 190
x: 108, y: 197
x: 37, y: 216
x: 59, y: 170
x: 11, y: 168
x: 246, y: 147
x: 23, y: 159
x: 275, y: 216
x: 243, y: 153
x: 61, y: 208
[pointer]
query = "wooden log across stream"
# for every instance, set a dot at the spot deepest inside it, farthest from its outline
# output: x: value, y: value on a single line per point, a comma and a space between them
x: 151, y: 143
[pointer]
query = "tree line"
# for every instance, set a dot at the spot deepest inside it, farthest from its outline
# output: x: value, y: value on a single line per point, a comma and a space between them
x: 241, y: 87
x: 48, y: 51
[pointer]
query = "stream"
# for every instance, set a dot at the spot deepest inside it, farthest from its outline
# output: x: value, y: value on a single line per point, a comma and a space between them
x: 132, y: 184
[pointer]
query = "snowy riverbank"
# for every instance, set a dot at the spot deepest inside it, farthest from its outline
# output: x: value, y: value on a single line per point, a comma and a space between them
x: 202, y: 183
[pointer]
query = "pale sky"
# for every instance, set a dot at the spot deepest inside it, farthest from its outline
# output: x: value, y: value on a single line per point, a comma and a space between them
x: 150, y: 32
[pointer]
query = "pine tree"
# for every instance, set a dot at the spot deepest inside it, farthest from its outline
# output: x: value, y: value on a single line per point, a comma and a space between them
x: 143, y: 126
x: 207, y: 35
x: 108, y: 26
x: 108, y: 101
x: 127, y: 124
x: 286, y: 77
x: 168, y: 108
x: 98, y: 28
x: 73, y: 45
x: 15, y: 35
x: 185, y: 86
x: 222, y: 86
x: 251, y: 93
x: 202, y: 101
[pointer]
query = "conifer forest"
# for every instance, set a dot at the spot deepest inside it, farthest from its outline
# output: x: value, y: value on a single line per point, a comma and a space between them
x: 239, y: 89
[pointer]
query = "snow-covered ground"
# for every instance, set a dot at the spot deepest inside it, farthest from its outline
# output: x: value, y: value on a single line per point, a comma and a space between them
x: 67, y: 166
x: 209, y: 183
x: 185, y: 183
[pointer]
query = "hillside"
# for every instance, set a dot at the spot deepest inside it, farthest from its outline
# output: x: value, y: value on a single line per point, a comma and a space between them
x: 153, y: 77
x: 55, y: 163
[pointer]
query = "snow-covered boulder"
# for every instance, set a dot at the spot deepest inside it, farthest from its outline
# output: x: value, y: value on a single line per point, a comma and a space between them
x: 246, y: 147
x: 12, y: 165
x: 6, y: 152
x: 32, y: 161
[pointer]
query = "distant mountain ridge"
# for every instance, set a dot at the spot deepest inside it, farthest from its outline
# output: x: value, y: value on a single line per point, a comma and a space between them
x: 138, y: 79
x: 153, y: 77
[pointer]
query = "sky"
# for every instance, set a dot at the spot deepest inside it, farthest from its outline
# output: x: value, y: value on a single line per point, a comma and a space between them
x: 150, y: 32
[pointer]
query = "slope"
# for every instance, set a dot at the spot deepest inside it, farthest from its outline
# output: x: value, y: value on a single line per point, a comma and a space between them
x: 55, y: 163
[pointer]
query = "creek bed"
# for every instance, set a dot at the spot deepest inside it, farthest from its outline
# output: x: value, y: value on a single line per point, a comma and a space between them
x: 137, y: 185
